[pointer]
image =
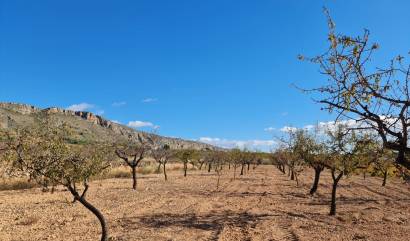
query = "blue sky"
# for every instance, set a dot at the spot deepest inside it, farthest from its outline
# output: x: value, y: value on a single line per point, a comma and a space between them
x: 220, y: 69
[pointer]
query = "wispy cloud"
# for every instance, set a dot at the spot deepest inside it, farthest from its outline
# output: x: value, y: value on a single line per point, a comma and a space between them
x: 270, y: 129
x: 119, y: 103
x: 264, y: 145
x: 80, y: 107
x: 116, y: 122
x: 141, y: 124
x: 327, y: 125
x: 288, y: 129
x: 100, y: 112
x: 149, y: 100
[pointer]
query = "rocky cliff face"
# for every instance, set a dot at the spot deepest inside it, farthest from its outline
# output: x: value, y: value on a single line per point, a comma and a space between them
x: 13, y: 115
x: 20, y: 108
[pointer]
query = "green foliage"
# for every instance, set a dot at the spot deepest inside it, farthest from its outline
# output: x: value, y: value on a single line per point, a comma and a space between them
x: 44, y: 153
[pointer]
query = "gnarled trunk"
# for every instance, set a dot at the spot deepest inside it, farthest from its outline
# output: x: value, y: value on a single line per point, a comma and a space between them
x: 401, y: 158
x: 334, y: 189
x: 134, y: 177
x: 316, y: 181
x: 96, y: 212
x: 384, y: 178
x: 91, y: 208
x: 165, y: 172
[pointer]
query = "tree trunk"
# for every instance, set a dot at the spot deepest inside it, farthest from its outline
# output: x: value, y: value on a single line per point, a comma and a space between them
x: 165, y: 172
x: 217, y: 184
x: 296, y: 179
x: 316, y: 181
x: 200, y: 166
x: 134, y: 177
x: 402, y: 160
x: 243, y: 166
x: 249, y: 164
x: 96, y: 212
x: 384, y: 178
x: 229, y: 166
x: 185, y: 168
x: 292, y: 175
x: 281, y: 169
x: 209, y: 167
x: 159, y: 168
x: 364, y: 175
x: 334, y: 188
x: 91, y: 208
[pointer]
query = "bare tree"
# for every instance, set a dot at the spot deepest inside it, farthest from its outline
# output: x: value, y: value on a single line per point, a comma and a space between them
x: 377, y: 98
x: 162, y: 153
x: 132, y: 154
x: 235, y: 158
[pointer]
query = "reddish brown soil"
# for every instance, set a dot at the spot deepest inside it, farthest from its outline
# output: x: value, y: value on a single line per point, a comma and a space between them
x: 262, y: 205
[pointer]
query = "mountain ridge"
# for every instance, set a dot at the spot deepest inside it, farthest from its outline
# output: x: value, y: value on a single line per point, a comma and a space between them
x: 88, y: 125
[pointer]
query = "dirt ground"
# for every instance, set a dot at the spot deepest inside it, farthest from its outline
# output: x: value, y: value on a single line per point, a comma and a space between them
x: 262, y: 205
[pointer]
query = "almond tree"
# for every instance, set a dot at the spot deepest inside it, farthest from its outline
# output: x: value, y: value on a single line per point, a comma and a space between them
x: 235, y: 158
x: 376, y: 156
x: 384, y: 163
x: 132, y: 154
x: 279, y: 160
x: 161, y: 154
x: 343, y: 147
x: 187, y: 156
x: 44, y: 153
x: 288, y: 150
x: 378, y: 98
x: 220, y: 158
x: 312, y: 152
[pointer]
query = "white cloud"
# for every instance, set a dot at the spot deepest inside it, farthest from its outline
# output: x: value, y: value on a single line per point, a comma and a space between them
x: 140, y: 124
x: 100, y: 112
x: 270, y: 129
x: 327, y: 126
x: 80, y: 107
x: 118, y: 104
x: 264, y: 145
x: 288, y: 129
x: 149, y: 100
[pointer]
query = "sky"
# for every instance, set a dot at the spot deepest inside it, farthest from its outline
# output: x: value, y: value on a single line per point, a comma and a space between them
x: 219, y: 71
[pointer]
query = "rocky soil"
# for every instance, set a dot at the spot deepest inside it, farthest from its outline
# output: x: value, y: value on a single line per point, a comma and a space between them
x: 262, y: 205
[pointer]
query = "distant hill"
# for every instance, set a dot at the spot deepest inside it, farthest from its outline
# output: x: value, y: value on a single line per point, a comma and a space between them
x: 88, y: 126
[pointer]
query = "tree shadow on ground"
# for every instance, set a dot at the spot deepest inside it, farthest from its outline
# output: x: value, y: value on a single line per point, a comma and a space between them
x: 208, y: 222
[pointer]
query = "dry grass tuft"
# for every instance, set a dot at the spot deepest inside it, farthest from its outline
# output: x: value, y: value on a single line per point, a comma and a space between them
x: 16, y: 184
